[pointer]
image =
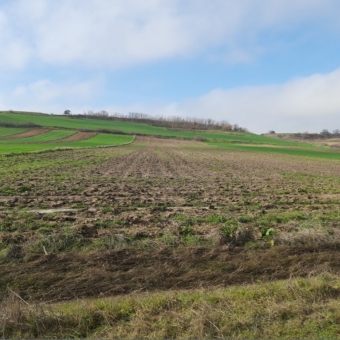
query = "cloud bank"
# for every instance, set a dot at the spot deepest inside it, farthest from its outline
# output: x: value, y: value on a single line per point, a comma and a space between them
x: 123, y: 33
x: 311, y: 103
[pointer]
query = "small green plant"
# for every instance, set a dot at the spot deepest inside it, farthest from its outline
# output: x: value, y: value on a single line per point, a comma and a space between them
x: 215, y: 219
x: 267, y: 233
x: 186, y: 230
x: 229, y: 230
x: 245, y: 219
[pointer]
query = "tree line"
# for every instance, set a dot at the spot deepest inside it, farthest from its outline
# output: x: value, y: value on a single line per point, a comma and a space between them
x: 172, y: 122
x: 324, y: 134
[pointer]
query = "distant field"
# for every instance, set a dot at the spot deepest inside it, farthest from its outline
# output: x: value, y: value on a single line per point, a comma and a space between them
x: 10, y: 131
x: 45, y: 137
x: 317, y: 152
x: 98, y: 140
x: 127, y: 127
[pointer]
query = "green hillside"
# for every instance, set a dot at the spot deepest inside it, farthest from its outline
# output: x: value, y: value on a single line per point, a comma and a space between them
x: 10, y: 131
x: 320, y: 152
x: 135, y: 128
x: 96, y: 141
x: 44, y: 137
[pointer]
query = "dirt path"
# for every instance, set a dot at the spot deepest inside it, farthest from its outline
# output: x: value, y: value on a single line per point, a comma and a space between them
x: 26, y: 134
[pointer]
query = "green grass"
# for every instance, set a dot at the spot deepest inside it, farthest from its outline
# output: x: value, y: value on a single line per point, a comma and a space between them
x: 44, y: 137
x: 4, y: 131
x: 127, y: 127
x: 296, y: 308
x: 318, y: 153
x: 96, y: 141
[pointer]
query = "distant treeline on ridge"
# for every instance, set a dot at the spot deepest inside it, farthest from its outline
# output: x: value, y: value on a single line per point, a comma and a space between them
x: 163, y: 121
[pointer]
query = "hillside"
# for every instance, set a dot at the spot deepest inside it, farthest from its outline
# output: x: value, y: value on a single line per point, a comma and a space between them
x: 69, y: 122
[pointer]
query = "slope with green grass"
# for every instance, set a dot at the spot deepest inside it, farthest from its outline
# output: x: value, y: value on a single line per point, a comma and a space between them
x: 96, y: 141
x: 317, y: 152
x: 4, y: 131
x: 44, y: 137
x: 136, y: 128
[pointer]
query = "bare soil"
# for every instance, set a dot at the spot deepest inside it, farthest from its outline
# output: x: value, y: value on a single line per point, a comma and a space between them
x: 147, y: 218
x: 76, y: 137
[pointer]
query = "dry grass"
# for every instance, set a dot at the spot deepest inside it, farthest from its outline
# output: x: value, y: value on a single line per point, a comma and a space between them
x: 292, y: 308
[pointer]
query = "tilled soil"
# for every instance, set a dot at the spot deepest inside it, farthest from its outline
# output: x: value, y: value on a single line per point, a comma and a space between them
x: 154, y: 215
x: 76, y: 137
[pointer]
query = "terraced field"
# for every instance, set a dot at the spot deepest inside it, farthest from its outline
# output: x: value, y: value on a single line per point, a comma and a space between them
x: 6, y: 131
x: 40, y: 139
x: 160, y: 233
x: 137, y: 128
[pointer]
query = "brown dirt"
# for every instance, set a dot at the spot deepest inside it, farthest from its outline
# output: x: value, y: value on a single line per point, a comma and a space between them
x: 26, y: 134
x: 136, y: 193
x: 76, y: 137
x: 59, y: 277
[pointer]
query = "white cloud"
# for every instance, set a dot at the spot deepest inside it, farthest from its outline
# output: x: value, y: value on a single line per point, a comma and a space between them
x: 127, y: 32
x: 50, y: 97
x: 310, y: 103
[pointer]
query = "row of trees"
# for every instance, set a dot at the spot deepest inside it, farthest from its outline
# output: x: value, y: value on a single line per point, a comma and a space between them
x: 160, y: 120
x: 324, y: 134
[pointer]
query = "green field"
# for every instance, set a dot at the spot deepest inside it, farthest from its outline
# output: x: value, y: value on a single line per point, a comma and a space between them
x: 98, y: 140
x: 44, y: 137
x: 135, y: 128
x: 4, y: 131
x: 317, y: 152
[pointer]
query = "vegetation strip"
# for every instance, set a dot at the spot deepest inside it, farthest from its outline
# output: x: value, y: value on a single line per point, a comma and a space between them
x: 296, y: 308
x: 23, y: 135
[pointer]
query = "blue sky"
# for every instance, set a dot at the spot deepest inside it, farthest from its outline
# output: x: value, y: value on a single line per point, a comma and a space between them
x: 263, y: 64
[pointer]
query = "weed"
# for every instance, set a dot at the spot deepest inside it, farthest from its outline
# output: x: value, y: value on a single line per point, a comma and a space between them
x: 229, y: 231
x: 215, y: 219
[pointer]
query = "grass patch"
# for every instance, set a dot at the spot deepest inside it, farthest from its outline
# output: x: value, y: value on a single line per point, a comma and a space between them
x: 319, y: 153
x: 297, y: 308
x: 97, y: 141
x: 4, y: 131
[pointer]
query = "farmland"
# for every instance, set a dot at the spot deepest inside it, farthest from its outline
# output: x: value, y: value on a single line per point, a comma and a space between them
x: 135, y: 128
x: 35, y: 140
x: 168, y: 237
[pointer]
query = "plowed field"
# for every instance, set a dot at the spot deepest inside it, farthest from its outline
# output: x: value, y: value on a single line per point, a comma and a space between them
x: 163, y: 214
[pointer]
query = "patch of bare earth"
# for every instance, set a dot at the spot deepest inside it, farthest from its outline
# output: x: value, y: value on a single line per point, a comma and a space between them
x: 76, y: 137
x: 142, y: 211
x: 26, y: 134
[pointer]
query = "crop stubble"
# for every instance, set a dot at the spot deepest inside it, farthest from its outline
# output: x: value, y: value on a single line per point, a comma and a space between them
x: 148, y: 218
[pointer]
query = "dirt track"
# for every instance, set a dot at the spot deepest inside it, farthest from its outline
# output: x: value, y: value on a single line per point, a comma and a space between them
x: 144, y: 208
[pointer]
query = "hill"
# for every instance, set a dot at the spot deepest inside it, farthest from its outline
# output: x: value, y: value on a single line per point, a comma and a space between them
x: 71, y: 122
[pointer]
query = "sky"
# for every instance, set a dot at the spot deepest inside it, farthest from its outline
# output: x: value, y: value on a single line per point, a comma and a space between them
x: 262, y: 64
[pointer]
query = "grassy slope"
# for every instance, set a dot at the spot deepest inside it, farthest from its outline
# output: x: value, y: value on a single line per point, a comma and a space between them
x: 98, y: 140
x: 319, y: 152
x: 297, y: 308
x: 45, y: 137
x: 10, y: 131
x: 83, y: 123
